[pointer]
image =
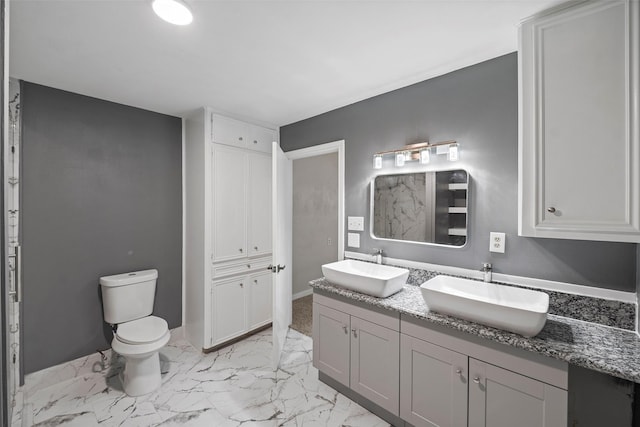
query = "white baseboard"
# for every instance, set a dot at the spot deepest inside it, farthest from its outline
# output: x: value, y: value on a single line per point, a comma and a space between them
x: 301, y: 294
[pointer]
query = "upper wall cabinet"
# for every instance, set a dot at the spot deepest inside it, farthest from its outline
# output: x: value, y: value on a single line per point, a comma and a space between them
x: 579, y: 149
x: 228, y: 131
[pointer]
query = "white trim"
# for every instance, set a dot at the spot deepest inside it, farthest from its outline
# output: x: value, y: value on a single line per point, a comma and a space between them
x: 569, y: 288
x: 184, y: 223
x: 302, y: 294
x: 318, y: 150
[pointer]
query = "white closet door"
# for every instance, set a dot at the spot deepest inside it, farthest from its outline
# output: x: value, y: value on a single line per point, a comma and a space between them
x: 259, y: 204
x: 229, y: 204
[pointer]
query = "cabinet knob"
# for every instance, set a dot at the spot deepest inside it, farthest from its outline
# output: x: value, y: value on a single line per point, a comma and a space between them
x: 345, y: 329
x: 459, y: 371
x: 476, y: 380
x: 239, y: 138
x: 242, y: 285
x: 355, y: 333
x: 240, y: 250
x: 248, y: 265
x: 551, y: 209
x: 255, y: 142
x: 255, y: 281
x: 255, y: 248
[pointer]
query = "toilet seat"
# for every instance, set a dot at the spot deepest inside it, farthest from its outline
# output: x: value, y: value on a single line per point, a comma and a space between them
x: 142, y: 331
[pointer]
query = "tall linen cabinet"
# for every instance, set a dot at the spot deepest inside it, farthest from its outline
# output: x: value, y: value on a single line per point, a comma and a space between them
x: 227, y: 175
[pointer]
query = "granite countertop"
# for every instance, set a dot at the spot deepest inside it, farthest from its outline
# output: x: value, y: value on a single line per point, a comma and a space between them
x: 601, y: 348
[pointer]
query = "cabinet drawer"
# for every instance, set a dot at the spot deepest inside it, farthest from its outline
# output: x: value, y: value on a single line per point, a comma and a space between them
x: 244, y: 266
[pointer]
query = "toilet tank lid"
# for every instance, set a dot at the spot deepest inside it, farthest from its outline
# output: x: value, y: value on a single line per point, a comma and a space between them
x: 129, y: 278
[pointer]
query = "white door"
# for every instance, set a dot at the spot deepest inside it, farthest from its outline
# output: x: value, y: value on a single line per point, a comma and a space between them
x: 282, y: 218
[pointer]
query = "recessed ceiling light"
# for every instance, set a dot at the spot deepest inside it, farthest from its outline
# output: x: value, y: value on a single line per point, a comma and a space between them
x: 173, y: 11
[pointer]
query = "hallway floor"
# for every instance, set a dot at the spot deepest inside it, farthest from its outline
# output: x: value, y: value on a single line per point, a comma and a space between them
x: 231, y: 387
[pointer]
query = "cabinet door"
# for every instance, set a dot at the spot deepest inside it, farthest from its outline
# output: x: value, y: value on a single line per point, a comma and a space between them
x: 261, y: 300
x: 375, y: 357
x: 433, y: 384
x: 579, y: 158
x: 501, y: 398
x: 261, y: 139
x: 225, y: 130
x: 331, y: 342
x: 259, y: 215
x: 229, y: 309
x: 229, y: 203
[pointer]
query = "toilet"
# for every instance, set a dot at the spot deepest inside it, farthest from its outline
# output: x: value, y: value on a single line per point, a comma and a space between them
x: 127, y: 300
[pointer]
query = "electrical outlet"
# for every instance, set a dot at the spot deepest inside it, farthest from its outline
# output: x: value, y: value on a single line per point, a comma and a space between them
x: 497, y: 242
x: 355, y: 223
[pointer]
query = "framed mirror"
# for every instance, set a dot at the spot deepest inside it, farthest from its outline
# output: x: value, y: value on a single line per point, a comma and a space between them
x: 421, y: 207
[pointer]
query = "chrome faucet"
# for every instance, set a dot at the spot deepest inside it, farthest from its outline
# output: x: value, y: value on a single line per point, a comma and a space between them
x: 486, y: 269
x: 378, y: 254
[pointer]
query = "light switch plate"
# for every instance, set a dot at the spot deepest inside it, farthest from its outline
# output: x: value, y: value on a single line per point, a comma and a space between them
x: 353, y: 240
x: 497, y: 242
x: 355, y: 223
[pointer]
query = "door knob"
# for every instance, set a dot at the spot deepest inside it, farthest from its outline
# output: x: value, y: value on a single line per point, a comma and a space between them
x: 551, y: 209
x: 276, y: 268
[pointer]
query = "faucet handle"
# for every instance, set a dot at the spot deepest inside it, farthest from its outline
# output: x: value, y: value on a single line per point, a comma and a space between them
x: 486, y: 266
x: 377, y: 251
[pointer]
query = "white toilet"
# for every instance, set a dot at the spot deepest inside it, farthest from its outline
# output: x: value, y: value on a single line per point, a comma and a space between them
x: 127, y: 300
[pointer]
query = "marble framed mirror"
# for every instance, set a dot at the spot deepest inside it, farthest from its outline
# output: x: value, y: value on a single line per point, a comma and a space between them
x: 421, y: 207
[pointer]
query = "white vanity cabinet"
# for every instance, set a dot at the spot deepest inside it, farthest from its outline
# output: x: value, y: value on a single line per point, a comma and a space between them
x: 359, y: 348
x: 227, y: 168
x: 579, y: 141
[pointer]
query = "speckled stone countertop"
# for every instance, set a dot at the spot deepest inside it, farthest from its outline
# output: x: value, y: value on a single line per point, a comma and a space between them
x: 589, y: 345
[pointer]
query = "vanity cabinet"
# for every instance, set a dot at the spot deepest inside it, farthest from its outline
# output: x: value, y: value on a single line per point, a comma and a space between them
x: 579, y: 150
x: 358, y: 348
x: 501, y: 398
x: 228, y: 228
x: 433, y: 384
x: 429, y: 375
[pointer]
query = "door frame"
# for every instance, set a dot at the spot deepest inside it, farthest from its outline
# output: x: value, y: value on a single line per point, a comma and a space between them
x: 319, y: 150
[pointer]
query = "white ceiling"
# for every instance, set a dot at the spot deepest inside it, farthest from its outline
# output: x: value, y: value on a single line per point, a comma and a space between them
x: 271, y: 62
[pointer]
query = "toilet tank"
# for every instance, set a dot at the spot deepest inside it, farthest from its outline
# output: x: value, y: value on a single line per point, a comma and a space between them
x: 128, y: 296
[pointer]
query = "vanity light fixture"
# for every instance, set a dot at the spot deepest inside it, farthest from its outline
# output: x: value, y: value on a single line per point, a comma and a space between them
x: 425, y: 155
x: 176, y: 12
x: 453, y: 153
x: 420, y: 152
x: 377, y: 161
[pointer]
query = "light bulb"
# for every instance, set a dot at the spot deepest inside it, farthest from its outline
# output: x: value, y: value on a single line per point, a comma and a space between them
x: 377, y: 161
x: 425, y: 156
x: 453, y: 152
x: 400, y: 157
x: 173, y: 11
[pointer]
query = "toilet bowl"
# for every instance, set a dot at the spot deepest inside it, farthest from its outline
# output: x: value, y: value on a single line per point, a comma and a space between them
x: 139, y: 342
x: 127, y: 301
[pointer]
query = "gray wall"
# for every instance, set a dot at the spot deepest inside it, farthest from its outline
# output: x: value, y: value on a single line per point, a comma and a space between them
x: 478, y: 107
x: 315, y: 217
x: 101, y: 195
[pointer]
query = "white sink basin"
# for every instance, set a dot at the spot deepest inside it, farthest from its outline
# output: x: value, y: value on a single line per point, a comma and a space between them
x: 504, y: 307
x: 365, y: 277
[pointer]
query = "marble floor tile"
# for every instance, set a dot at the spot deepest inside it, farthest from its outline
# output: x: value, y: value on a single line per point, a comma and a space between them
x: 232, y: 387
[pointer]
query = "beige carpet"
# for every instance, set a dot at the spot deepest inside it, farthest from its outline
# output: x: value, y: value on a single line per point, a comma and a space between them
x: 303, y: 315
